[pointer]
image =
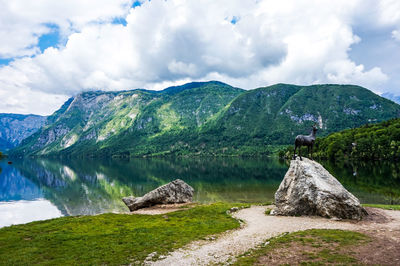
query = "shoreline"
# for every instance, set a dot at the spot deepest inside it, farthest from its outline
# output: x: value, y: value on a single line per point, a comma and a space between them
x: 167, y: 208
x: 192, y: 234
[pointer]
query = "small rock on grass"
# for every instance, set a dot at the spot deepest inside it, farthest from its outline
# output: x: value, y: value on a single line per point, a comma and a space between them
x: 234, y: 209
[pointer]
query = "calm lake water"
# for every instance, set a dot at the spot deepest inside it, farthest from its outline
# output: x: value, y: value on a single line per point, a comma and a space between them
x: 37, y: 189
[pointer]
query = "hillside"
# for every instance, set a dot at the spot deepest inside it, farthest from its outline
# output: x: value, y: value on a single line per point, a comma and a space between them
x: 369, y: 142
x: 202, y: 118
x: 276, y: 114
x: 15, y: 127
x: 106, y: 123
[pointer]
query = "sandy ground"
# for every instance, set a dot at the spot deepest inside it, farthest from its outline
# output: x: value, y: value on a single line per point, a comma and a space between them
x: 258, y: 228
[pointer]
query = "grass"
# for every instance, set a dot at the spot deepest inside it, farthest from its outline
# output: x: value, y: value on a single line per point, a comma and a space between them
x: 111, y: 239
x: 317, y: 247
x: 383, y: 206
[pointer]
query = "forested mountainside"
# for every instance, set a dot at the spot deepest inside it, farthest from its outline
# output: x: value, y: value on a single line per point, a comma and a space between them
x: 202, y: 118
x: 100, y: 122
x: 370, y: 142
x: 278, y: 113
x: 15, y: 127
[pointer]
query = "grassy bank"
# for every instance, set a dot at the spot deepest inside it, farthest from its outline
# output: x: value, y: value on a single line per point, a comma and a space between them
x: 310, y: 247
x: 111, y: 239
x: 383, y: 206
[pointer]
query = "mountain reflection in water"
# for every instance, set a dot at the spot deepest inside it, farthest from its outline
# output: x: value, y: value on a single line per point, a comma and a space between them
x: 86, y: 187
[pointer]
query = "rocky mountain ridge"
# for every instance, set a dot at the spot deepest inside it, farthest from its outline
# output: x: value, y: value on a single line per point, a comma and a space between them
x: 201, y: 118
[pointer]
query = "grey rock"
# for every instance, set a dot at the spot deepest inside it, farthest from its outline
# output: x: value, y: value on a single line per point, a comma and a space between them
x: 176, y: 191
x: 234, y: 209
x: 309, y: 189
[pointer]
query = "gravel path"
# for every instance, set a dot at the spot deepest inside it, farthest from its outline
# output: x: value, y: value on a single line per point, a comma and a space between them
x: 259, y: 227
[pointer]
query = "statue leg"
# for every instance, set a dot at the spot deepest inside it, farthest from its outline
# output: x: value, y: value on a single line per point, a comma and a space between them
x: 301, y: 159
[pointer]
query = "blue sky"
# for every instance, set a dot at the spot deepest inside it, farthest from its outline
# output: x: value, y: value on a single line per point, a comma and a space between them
x: 51, y: 39
x: 53, y: 50
x: 378, y: 48
x: 5, y: 61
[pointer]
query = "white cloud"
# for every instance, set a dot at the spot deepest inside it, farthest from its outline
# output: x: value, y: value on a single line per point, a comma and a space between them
x: 396, y: 35
x: 26, y: 101
x: 175, y: 41
x: 389, y: 12
x: 23, y: 22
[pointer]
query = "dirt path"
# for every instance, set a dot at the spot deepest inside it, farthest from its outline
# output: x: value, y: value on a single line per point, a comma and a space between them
x: 260, y: 227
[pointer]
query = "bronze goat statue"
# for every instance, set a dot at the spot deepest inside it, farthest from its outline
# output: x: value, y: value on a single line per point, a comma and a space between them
x: 308, y: 141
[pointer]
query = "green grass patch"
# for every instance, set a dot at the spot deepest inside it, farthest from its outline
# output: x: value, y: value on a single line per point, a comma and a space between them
x: 317, y: 247
x: 111, y: 239
x: 383, y: 206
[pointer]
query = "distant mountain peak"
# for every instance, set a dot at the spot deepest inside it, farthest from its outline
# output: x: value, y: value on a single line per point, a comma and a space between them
x: 16, y: 127
x: 192, y: 85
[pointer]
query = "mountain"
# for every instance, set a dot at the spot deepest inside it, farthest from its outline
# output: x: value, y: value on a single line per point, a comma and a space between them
x: 15, y: 127
x: 391, y: 97
x: 105, y: 123
x: 202, y: 118
x: 276, y: 114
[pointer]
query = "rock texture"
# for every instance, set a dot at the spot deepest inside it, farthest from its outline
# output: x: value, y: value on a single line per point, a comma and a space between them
x: 15, y: 127
x: 176, y: 191
x: 309, y: 189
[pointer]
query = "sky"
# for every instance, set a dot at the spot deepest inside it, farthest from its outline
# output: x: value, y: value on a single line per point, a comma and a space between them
x: 52, y: 50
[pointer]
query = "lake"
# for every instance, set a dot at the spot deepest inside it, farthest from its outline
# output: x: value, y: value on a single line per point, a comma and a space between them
x: 37, y: 189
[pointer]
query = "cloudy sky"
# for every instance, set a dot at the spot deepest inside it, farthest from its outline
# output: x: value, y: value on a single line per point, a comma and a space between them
x: 51, y: 50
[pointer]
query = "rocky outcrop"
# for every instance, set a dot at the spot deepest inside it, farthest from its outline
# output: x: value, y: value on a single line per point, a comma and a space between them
x: 176, y: 191
x: 309, y: 189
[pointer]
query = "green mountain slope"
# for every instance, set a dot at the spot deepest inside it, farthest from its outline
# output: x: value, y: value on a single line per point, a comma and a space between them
x: 106, y: 123
x: 202, y: 118
x: 278, y: 113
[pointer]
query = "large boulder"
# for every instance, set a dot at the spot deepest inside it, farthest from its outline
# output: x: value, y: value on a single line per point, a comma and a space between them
x: 309, y: 189
x: 176, y: 191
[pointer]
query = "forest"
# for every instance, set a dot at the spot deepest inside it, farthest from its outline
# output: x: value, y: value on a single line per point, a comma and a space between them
x: 369, y: 142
